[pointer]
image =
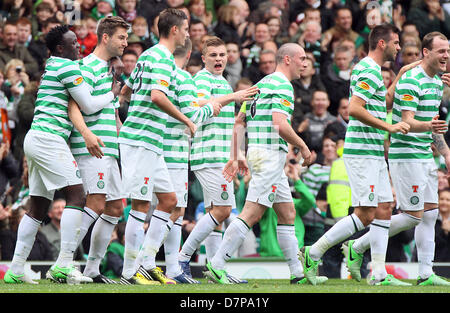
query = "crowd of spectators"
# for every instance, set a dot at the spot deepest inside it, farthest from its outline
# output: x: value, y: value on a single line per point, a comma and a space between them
x: 334, y: 35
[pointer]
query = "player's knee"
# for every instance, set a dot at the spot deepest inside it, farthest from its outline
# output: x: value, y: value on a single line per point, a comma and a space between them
x: 114, y: 208
x: 75, y: 196
x: 168, y: 203
x: 221, y: 213
x: 177, y: 212
x: 366, y: 216
x: 287, y: 216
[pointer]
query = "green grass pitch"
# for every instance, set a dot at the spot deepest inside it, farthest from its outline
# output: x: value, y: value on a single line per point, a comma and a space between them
x: 254, y: 286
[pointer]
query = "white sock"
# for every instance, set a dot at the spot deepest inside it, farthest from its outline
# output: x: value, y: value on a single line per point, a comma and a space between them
x: 343, y: 229
x: 89, y: 217
x: 399, y: 222
x: 232, y: 240
x: 70, y: 233
x: 100, y: 239
x: 424, y: 237
x: 379, y: 237
x: 212, y: 243
x: 289, y: 246
x: 134, y: 236
x: 160, y: 225
x: 171, y: 249
x: 203, y: 228
x: 26, y: 234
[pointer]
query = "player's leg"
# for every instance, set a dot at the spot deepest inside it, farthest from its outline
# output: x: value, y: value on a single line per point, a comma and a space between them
x: 233, y: 237
x: 267, y: 169
x: 219, y: 197
x: 172, y: 244
x: 26, y: 234
x: 63, y: 270
x: 213, y: 241
x: 100, y: 238
x: 424, y: 237
x: 286, y: 237
x: 363, y: 175
x: 344, y: 228
x: 105, y: 198
x: 137, y: 186
x: 95, y: 205
x: 160, y: 226
x: 379, y: 228
x: 425, y: 232
x: 134, y: 237
x: 379, y: 236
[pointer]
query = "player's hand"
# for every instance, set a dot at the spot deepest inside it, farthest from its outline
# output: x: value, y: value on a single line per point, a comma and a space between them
x: 191, y: 128
x: 116, y: 68
x: 446, y: 78
x: 216, y: 107
x: 409, y: 66
x: 438, y: 126
x: 307, y: 156
x: 234, y: 167
x: 93, y: 144
x: 246, y: 94
x: 116, y: 87
x: 400, y: 127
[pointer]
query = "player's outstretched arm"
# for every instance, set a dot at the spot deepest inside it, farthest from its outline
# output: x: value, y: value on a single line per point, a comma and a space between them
x: 286, y: 132
x: 391, y: 90
x: 92, y: 141
x: 91, y: 104
x: 436, y: 125
x: 160, y: 99
x: 238, y: 96
x: 357, y: 110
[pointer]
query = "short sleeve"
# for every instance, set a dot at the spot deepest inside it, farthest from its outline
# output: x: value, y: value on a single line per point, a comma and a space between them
x: 407, y: 94
x: 367, y: 84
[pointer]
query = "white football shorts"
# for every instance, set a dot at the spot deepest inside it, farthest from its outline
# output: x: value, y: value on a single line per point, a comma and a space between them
x: 51, y: 165
x: 415, y: 183
x: 369, y: 181
x: 216, y: 190
x: 269, y: 183
x: 143, y: 172
x: 101, y: 176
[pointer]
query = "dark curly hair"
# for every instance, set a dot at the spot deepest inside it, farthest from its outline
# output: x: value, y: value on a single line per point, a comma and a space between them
x: 55, y: 37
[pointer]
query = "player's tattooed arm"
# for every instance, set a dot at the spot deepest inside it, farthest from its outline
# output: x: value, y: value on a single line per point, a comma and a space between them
x: 441, y: 144
x: 442, y: 147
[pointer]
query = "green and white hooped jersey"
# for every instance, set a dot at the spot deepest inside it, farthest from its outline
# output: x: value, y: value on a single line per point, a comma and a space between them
x: 276, y: 94
x: 102, y: 123
x: 316, y: 176
x: 176, y: 141
x: 50, y: 113
x: 417, y: 92
x: 146, y: 122
x: 361, y: 140
x: 212, y: 140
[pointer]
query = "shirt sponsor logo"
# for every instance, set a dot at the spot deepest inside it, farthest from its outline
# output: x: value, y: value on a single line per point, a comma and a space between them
x: 162, y: 82
x: 407, y: 98
x: 285, y: 102
x: 364, y: 85
x: 195, y: 104
x: 200, y: 95
x: 78, y: 81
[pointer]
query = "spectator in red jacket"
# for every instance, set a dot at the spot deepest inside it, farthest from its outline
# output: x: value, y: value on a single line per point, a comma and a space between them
x: 86, y: 38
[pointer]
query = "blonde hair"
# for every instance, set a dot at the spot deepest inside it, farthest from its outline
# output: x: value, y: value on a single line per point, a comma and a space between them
x: 14, y: 63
